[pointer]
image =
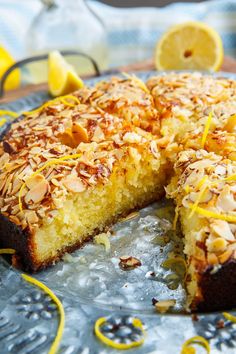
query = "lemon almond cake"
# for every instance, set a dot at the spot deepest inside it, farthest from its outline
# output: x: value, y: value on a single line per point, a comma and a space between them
x: 77, y: 164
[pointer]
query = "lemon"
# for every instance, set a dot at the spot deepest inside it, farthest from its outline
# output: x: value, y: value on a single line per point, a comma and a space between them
x: 6, y: 60
x: 62, y: 77
x: 192, y: 46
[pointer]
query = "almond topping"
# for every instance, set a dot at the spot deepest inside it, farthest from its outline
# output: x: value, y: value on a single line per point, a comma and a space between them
x: 217, y: 245
x: 222, y: 228
x: 79, y: 134
x: 37, y: 192
x: 74, y: 184
x: 129, y: 262
x: 165, y: 305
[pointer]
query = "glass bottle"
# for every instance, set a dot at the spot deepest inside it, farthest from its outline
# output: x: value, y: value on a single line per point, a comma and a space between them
x: 67, y: 25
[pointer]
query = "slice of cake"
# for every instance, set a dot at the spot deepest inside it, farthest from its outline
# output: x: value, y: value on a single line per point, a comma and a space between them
x: 69, y: 170
x: 204, y: 190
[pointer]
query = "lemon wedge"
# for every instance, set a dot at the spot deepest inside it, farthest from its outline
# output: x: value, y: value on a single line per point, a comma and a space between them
x: 191, y: 46
x: 62, y: 77
x: 6, y: 60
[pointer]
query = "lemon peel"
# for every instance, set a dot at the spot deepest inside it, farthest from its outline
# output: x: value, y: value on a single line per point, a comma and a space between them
x: 47, y: 164
x: 2, y: 121
x: 199, y: 197
x: 199, y: 340
x: 7, y: 251
x: 62, y: 99
x: 12, y: 114
x: 206, y: 129
x: 229, y: 317
x: 137, y: 80
x: 123, y: 346
x: 49, y: 292
x: 214, y: 215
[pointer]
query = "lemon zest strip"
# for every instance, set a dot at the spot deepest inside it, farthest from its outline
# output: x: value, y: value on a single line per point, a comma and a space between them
x: 61, y: 325
x: 188, y: 349
x: 206, y: 129
x: 7, y: 251
x: 61, y: 99
x: 199, y: 197
x: 8, y: 113
x: 214, y: 215
x: 136, y: 322
x: 2, y: 121
x: 229, y: 317
x: 48, y: 163
x: 138, y: 81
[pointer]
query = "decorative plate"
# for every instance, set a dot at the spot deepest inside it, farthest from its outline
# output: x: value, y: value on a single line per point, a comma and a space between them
x: 91, y: 284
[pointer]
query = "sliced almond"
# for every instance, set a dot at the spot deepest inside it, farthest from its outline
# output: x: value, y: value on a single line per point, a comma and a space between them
x: 222, y: 229
x: 37, y: 193
x: 217, y: 245
x: 31, y: 182
x: 74, y: 184
x: 230, y: 126
x: 129, y: 262
x: 98, y: 135
x: 79, y: 134
x: 225, y: 256
x: 165, y: 305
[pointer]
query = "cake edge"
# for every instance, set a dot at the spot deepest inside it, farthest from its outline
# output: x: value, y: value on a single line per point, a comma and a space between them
x: 12, y: 236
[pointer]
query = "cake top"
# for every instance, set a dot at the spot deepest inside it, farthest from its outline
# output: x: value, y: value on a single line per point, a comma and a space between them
x: 205, y: 184
x: 63, y: 147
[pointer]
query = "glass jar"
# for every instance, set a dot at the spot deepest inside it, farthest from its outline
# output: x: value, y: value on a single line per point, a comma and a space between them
x: 67, y: 25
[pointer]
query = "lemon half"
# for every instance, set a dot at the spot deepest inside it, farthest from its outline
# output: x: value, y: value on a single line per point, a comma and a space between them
x: 191, y: 46
x: 6, y: 60
x: 62, y: 77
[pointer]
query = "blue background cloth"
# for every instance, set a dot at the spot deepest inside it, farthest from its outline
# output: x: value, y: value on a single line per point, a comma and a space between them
x: 132, y: 33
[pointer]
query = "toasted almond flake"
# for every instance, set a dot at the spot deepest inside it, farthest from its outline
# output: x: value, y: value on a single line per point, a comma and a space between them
x: 129, y: 263
x: 132, y: 138
x: 216, y: 245
x: 37, y: 193
x: 222, y: 229
x: 165, y: 305
x: 225, y: 256
x: 32, y: 182
x: 79, y: 133
x: 74, y: 184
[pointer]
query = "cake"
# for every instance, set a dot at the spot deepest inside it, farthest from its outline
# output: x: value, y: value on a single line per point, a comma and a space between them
x: 204, y: 188
x: 69, y: 170
x: 77, y: 164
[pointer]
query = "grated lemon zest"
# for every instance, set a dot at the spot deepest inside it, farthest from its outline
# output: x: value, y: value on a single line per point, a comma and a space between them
x: 7, y: 251
x: 61, y: 311
x: 214, y: 215
x: 47, y: 164
x: 229, y: 317
x: 137, y: 80
x: 136, y: 322
x: 199, y: 340
x: 201, y: 193
x: 206, y: 129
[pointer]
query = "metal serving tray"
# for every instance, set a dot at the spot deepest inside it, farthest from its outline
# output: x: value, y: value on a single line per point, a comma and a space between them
x: 91, y: 284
